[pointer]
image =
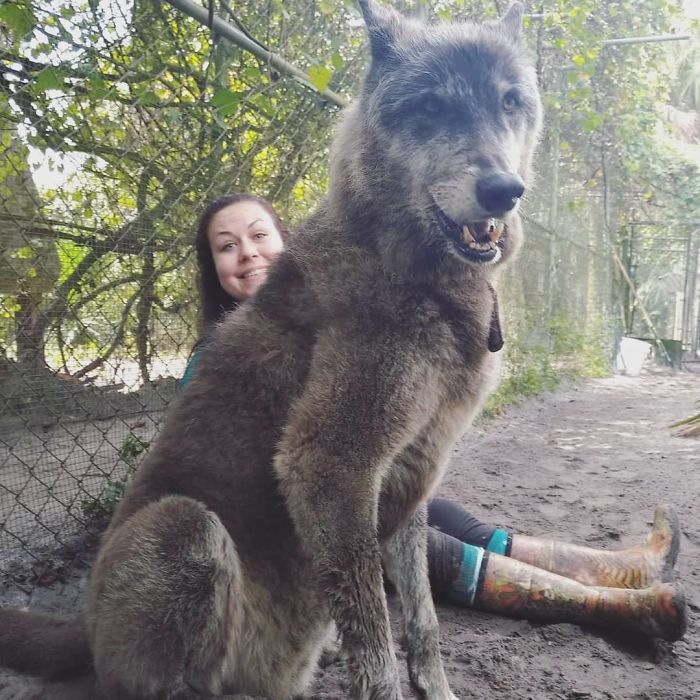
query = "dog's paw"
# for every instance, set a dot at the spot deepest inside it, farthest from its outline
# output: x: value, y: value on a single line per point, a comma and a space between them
x: 384, y: 692
x: 428, y: 677
x: 381, y: 686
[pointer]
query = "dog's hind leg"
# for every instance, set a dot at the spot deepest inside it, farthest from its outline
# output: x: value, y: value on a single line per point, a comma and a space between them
x: 164, y: 604
x: 406, y: 565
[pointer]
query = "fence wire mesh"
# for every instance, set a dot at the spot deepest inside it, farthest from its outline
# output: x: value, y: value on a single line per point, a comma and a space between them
x: 120, y: 120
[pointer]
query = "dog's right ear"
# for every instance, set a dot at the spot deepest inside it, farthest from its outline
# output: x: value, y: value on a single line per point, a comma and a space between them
x: 382, y: 27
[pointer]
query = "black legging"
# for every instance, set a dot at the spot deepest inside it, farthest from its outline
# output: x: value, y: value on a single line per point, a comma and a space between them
x: 449, y: 517
x: 450, y: 527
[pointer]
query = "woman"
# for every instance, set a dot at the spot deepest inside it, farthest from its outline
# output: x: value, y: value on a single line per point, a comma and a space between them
x: 470, y: 563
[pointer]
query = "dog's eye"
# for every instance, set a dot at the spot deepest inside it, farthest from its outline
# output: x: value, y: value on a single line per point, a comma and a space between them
x: 510, y: 101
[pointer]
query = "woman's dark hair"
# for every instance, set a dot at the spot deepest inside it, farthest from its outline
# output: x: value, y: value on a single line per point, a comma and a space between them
x: 214, y: 301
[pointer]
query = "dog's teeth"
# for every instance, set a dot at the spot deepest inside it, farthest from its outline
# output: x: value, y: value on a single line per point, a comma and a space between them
x: 495, y: 230
x: 481, y: 247
x: 467, y: 234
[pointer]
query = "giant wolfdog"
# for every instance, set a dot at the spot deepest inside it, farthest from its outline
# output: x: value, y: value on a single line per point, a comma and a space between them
x: 322, y: 413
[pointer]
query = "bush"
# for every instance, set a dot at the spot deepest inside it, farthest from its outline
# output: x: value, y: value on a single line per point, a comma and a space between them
x: 567, y: 354
x: 100, y: 509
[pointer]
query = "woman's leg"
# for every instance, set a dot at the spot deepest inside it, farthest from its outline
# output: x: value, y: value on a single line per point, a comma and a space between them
x: 452, y: 519
x: 637, y: 567
x: 462, y: 574
x: 511, y: 587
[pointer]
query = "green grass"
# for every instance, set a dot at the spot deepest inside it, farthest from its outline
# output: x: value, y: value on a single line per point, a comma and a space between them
x: 531, y: 369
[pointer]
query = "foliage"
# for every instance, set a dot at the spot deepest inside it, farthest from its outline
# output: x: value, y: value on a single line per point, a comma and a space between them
x: 686, y: 90
x: 529, y: 372
x: 100, y: 509
x: 160, y: 117
x: 135, y: 115
x: 531, y: 369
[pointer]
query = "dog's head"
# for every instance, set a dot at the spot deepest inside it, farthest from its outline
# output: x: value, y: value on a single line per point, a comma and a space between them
x: 442, y: 135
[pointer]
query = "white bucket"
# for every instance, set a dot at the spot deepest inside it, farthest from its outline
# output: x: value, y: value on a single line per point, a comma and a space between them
x: 632, y: 355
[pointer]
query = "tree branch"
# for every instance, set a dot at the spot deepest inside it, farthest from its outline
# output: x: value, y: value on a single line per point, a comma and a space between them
x: 118, y: 339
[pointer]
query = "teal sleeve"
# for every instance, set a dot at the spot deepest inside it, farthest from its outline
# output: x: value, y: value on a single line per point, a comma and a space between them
x: 189, y: 369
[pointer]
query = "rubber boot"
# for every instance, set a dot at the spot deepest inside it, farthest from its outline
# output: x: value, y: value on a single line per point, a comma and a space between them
x: 511, y: 587
x: 637, y: 567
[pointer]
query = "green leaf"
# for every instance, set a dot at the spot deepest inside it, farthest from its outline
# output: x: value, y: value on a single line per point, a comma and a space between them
x: 148, y: 97
x: 320, y: 77
x: 327, y: 7
x: 592, y: 122
x: 251, y: 74
x: 20, y: 20
x: 225, y: 101
x: 97, y: 86
x: 337, y: 61
x: 49, y: 78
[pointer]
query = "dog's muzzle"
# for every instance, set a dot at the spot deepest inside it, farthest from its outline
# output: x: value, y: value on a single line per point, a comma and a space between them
x: 482, y: 241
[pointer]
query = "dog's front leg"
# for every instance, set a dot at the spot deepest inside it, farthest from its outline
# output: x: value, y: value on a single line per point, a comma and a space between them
x: 354, y: 416
x: 405, y: 559
x: 335, y: 520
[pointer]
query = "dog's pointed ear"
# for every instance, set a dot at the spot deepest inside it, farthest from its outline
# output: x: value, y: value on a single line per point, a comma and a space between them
x: 382, y: 27
x: 512, y: 21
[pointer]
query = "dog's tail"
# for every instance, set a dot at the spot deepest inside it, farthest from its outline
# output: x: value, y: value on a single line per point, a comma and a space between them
x: 50, y: 646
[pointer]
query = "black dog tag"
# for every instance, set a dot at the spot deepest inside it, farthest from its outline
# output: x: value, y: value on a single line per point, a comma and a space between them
x: 495, y: 341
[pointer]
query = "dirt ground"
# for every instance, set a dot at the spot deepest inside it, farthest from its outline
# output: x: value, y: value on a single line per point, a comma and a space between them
x: 586, y: 465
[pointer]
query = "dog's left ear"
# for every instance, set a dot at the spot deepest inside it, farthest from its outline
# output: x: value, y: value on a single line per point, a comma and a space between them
x: 512, y: 21
x: 383, y: 29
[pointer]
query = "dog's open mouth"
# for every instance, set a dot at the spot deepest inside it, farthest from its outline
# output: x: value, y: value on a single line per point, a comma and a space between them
x: 478, y: 241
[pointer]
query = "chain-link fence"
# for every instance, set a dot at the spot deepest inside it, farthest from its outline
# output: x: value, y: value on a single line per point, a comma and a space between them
x: 120, y: 119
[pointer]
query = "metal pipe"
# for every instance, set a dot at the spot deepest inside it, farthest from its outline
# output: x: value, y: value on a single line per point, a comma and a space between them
x: 236, y: 36
x: 646, y: 39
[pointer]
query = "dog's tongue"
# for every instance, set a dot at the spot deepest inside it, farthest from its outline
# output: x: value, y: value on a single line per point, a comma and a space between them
x: 483, y: 231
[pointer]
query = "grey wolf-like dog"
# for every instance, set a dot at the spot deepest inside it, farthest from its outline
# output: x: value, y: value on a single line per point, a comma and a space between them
x: 299, y: 459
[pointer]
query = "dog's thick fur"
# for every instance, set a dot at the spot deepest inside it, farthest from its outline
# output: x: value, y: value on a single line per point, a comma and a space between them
x: 323, y: 411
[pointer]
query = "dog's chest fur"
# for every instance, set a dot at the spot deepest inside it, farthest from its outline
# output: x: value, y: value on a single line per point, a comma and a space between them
x: 438, y: 326
x: 460, y: 373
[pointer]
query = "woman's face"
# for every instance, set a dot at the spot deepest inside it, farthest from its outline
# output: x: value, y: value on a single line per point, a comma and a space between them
x: 244, y: 242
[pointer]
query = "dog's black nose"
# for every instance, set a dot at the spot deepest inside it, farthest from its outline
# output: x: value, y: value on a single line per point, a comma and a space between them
x: 500, y: 192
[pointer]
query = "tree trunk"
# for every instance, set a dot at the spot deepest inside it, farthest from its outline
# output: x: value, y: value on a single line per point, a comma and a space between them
x: 143, y: 314
x: 29, y: 333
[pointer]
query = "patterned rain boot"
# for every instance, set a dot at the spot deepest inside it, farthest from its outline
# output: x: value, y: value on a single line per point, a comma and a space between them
x: 638, y: 567
x: 510, y: 587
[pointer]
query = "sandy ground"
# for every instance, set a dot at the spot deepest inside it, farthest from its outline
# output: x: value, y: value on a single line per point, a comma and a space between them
x: 587, y: 465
